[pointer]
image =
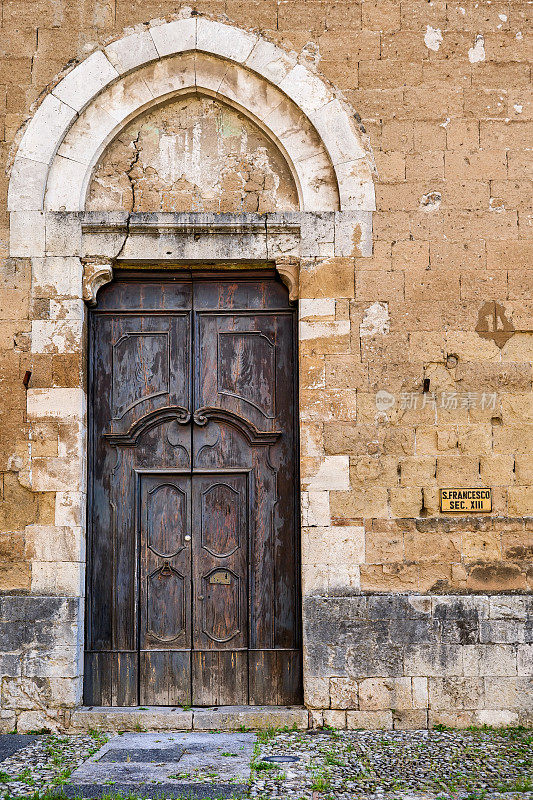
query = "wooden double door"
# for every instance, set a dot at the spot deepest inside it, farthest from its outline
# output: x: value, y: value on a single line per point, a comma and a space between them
x: 192, y: 560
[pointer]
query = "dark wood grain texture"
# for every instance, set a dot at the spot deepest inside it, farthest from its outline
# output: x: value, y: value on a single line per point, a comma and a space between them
x: 193, y: 578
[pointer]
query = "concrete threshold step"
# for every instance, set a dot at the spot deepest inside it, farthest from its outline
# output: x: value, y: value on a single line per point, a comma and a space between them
x: 159, y: 718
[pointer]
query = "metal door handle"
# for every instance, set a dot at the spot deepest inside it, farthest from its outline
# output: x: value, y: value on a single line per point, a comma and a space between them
x: 187, y: 538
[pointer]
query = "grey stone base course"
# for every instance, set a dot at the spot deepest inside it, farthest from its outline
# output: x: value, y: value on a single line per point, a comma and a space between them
x: 411, y: 661
x: 154, y: 718
x: 370, y: 661
x: 32, y: 631
x: 174, y: 790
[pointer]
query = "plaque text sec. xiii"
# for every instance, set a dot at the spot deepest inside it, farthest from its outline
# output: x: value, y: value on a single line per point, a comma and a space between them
x: 466, y: 500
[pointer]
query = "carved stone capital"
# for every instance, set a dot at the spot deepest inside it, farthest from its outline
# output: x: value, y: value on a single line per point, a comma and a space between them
x: 289, y: 271
x: 96, y: 273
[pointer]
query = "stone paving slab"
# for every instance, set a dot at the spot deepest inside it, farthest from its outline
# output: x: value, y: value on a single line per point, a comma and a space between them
x: 11, y: 742
x: 226, y: 754
x: 143, y: 741
x: 193, y: 764
x: 141, y: 756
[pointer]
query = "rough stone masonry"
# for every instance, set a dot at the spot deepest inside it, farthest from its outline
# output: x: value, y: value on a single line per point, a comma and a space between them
x: 416, y: 335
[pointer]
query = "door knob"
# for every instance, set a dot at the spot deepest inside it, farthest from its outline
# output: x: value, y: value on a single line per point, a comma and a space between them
x: 187, y: 538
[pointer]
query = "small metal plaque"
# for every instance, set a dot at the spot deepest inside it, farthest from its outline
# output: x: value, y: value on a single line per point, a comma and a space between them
x: 222, y: 576
x: 466, y: 501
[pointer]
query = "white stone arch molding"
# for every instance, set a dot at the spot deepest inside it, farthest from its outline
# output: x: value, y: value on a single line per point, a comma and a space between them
x: 314, y: 129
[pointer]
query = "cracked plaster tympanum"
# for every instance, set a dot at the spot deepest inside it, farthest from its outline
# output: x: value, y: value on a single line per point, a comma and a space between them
x: 193, y: 153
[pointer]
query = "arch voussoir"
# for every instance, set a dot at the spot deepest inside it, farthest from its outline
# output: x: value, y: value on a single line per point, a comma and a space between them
x: 314, y: 128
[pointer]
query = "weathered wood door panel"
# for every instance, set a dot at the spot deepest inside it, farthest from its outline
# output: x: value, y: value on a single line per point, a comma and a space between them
x: 165, y: 588
x: 165, y: 562
x: 220, y: 556
x: 192, y: 582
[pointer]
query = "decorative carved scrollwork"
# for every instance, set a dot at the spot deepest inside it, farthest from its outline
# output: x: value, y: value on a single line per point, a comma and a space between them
x: 202, y: 415
x: 151, y: 420
x: 96, y: 273
x: 289, y: 271
x: 199, y: 416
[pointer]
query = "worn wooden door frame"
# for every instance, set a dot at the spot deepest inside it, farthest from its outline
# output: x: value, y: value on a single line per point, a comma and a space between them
x: 154, y: 275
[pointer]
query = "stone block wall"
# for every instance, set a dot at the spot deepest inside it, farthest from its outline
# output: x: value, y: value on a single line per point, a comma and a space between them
x: 414, y: 661
x: 415, y: 368
x: 383, y: 647
x: 39, y: 662
x: 42, y: 538
x: 376, y: 447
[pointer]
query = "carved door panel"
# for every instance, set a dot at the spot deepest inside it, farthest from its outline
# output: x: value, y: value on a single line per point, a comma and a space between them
x: 192, y: 577
x: 245, y: 365
x: 139, y: 390
x: 165, y: 588
x: 220, y: 586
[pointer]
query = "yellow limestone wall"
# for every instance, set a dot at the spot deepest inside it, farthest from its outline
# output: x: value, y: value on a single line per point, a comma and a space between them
x: 442, y: 91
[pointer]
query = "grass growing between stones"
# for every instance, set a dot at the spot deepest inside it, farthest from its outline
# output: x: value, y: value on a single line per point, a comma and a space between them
x: 474, y: 764
x: 450, y: 763
x: 442, y: 764
x: 47, y: 763
x: 57, y: 750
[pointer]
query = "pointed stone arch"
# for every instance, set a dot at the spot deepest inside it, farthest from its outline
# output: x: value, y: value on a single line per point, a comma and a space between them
x: 313, y: 127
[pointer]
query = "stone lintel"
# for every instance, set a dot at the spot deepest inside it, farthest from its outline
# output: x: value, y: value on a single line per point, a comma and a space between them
x: 228, y: 239
x: 191, y: 226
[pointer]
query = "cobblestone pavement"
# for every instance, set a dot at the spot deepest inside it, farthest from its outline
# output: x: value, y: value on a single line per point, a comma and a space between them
x: 396, y: 764
x: 45, y: 763
x: 378, y: 765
